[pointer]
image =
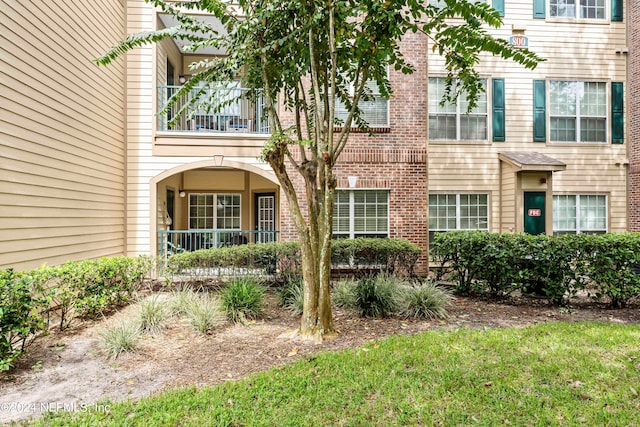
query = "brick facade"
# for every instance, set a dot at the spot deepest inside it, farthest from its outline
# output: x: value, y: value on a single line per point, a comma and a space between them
x: 633, y: 114
x: 395, y: 159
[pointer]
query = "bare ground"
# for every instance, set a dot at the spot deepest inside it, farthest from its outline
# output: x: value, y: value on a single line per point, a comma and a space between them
x: 69, y: 370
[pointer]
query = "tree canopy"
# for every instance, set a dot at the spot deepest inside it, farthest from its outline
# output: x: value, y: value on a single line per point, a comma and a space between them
x: 305, y: 57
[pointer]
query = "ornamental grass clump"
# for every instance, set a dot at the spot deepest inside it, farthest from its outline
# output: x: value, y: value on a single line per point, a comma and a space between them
x: 181, y: 301
x: 426, y: 301
x: 205, y: 313
x: 291, y: 296
x: 121, y: 337
x: 243, y: 299
x: 153, y: 313
x: 343, y: 293
x: 377, y: 296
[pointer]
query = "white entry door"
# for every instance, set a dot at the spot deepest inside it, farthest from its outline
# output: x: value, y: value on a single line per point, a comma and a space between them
x: 265, y: 217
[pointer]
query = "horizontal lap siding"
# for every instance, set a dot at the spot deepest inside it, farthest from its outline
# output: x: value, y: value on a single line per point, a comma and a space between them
x: 573, y: 51
x: 62, y: 148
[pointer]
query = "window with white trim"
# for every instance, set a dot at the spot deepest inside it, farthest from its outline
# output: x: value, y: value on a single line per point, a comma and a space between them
x: 578, y: 9
x: 458, y: 212
x: 374, y: 111
x: 361, y: 213
x: 214, y: 211
x: 449, y: 212
x: 578, y: 111
x: 451, y: 122
x: 579, y: 213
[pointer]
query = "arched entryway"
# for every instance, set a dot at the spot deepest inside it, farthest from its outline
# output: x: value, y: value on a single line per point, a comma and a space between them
x: 211, y: 204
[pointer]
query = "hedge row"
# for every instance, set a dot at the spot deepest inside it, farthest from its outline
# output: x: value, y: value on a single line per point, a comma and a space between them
x: 32, y: 300
x: 555, y: 267
x: 284, y: 259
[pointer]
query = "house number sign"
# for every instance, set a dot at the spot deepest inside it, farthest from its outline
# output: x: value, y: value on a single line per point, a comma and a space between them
x: 535, y: 212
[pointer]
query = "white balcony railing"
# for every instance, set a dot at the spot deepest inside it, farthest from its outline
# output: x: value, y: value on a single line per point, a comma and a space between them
x: 212, y: 109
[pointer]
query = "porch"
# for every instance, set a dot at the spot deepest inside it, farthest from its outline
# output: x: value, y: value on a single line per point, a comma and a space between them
x: 219, y: 108
x: 177, y: 241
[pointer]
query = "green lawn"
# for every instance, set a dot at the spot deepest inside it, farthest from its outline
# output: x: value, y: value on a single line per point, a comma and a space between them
x: 549, y: 374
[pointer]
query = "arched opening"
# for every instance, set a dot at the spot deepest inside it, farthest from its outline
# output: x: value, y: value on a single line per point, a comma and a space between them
x: 211, y: 204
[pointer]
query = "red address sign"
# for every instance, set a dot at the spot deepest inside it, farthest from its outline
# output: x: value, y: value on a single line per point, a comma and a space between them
x: 535, y: 212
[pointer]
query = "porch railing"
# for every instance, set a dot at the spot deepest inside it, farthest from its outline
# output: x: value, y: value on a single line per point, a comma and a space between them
x: 213, y: 109
x: 177, y: 241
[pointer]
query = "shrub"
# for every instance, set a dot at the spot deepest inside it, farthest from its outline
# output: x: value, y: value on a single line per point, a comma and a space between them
x: 291, y: 296
x: 121, y: 337
x: 205, y: 312
x: 20, y: 316
x: 344, y: 293
x: 283, y: 259
x: 243, y: 299
x: 98, y: 285
x: 376, y: 296
x: 457, y: 251
x: 612, y: 263
x: 425, y: 301
x: 153, y: 313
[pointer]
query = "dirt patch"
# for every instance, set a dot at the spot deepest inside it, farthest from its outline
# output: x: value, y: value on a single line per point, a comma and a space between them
x: 69, y: 370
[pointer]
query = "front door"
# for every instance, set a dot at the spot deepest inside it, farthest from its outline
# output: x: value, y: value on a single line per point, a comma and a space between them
x: 265, y: 215
x: 534, y: 215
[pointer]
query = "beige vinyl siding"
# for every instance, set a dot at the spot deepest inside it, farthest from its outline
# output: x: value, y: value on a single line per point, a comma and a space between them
x: 507, y: 199
x: 62, y: 146
x: 574, y: 50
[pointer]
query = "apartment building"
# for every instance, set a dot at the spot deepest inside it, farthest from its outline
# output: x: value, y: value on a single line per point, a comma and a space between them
x: 90, y: 169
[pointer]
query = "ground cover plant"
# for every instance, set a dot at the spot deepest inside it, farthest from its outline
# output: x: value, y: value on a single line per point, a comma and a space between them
x: 558, y: 373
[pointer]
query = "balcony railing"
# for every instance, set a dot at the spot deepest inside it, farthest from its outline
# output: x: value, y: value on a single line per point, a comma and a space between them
x: 212, y: 109
x: 177, y: 241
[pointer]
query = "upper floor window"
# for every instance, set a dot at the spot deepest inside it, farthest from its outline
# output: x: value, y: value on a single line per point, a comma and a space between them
x: 578, y: 111
x: 361, y: 213
x: 579, y: 213
x: 581, y: 9
x: 451, y: 122
x: 374, y: 111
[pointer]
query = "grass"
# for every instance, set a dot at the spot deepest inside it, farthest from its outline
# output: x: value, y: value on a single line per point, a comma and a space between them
x: 549, y: 374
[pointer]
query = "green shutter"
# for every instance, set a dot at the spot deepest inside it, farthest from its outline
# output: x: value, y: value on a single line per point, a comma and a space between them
x: 539, y: 111
x: 499, y: 6
x: 616, y: 10
x: 539, y: 9
x: 617, y: 112
x: 498, y: 110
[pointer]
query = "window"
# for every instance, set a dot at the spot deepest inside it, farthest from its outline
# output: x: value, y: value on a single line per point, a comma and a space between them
x: 450, y: 122
x: 578, y: 111
x: 374, y: 111
x: 458, y: 212
x: 214, y: 211
x: 361, y: 213
x: 582, y: 9
x: 582, y: 213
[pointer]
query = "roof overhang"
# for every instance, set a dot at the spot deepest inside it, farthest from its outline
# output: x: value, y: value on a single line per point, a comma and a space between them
x: 531, y: 161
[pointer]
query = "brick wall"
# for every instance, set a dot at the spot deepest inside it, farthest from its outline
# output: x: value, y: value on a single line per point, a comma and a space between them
x: 395, y: 159
x: 633, y: 113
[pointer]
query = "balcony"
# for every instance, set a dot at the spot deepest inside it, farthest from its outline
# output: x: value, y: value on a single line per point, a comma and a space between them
x: 218, y: 109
